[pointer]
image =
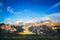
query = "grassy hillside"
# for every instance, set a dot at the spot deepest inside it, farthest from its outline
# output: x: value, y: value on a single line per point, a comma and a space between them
x: 13, y: 36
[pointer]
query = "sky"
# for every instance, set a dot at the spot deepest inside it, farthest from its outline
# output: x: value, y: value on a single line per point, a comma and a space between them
x: 23, y: 10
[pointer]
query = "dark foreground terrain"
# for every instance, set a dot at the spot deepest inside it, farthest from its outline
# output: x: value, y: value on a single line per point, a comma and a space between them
x: 9, y: 36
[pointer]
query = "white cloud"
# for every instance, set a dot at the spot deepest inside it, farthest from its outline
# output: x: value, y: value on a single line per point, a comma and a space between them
x: 34, y: 16
x: 20, y: 12
x: 30, y: 21
x: 55, y: 5
x: 18, y: 21
x: 52, y: 18
x: 45, y: 18
x: 17, y: 12
x: 28, y: 13
x: 49, y: 18
x: 8, y: 19
x: 9, y: 9
x: 55, y: 16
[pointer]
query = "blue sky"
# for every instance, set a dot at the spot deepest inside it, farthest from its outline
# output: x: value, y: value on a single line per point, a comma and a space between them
x: 15, y: 10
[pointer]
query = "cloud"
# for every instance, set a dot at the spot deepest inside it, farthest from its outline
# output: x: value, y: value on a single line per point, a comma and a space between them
x: 52, y: 17
x: 18, y: 21
x: 55, y: 16
x: 8, y: 19
x: 30, y: 21
x: 45, y: 19
x: 32, y: 15
x: 9, y: 9
x: 49, y: 18
x: 17, y: 12
x: 55, y: 5
x: 20, y: 12
x: 22, y: 16
x: 26, y: 14
x: 1, y: 4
